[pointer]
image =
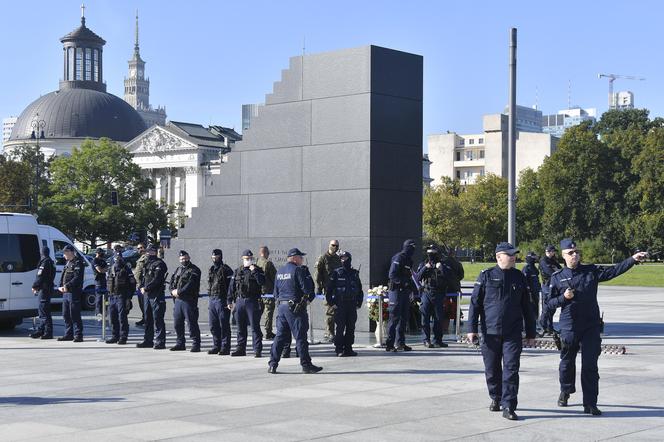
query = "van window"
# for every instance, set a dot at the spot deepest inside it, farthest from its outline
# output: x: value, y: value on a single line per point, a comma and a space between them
x: 18, y: 253
x: 59, y: 256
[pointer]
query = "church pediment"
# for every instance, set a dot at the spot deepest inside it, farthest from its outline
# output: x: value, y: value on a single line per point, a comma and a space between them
x: 158, y: 141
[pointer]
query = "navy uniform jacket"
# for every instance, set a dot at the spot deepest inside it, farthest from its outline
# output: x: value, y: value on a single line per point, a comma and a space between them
x: 154, y: 276
x: 502, y: 299
x: 454, y: 268
x: 433, y: 280
x: 532, y: 276
x: 246, y: 283
x: 582, y: 311
x: 72, y: 276
x: 187, y: 281
x: 219, y: 279
x: 293, y: 282
x: 121, y: 279
x: 400, y: 274
x: 45, y: 276
x: 100, y: 277
x: 343, y: 286
x: 548, y: 266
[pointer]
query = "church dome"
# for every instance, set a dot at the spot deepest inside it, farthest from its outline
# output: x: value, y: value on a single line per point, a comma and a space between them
x: 80, y: 113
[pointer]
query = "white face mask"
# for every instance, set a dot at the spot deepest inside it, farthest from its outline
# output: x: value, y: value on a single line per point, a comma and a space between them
x: 247, y: 262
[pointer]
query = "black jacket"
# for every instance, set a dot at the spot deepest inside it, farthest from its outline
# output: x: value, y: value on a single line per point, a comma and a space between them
x: 45, y: 276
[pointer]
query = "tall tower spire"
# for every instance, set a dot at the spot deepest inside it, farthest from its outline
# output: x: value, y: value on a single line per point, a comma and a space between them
x: 136, y: 50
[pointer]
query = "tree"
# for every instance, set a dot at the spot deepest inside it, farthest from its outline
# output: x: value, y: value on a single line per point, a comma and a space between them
x: 529, y: 207
x: 485, y: 211
x: 443, y: 215
x: 81, y: 202
x: 14, y: 193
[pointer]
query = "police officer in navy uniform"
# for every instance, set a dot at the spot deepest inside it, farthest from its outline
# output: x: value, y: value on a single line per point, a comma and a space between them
x: 501, y: 298
x: 400, y: 289
x: 185, y: 288
x: 532, y: 276
x: 245, y: 292
x: 121, y: 286
x: 43, y: 287
x: 574, y: 290
x: 71, y: 287
x: 219, y: 316
x: 152, y: 288
x: 435, y: 286
x: 293, y: 290
x: 344, y: 290
x: 548, y: 266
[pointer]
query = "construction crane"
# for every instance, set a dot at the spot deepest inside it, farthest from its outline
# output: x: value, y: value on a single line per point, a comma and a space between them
x: 612, y: 78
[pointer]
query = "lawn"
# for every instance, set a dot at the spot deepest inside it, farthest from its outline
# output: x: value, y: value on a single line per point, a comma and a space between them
x: 643, y: 275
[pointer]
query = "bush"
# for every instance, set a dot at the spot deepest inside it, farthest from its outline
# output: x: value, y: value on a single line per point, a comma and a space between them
x: 597, y: 252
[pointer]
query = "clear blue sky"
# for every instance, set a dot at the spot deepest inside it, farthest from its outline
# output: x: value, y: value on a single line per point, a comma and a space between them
x: 206, y: 58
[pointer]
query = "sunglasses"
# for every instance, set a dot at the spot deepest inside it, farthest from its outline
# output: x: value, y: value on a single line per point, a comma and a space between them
x: 334, y: 245
x: 573, y: 252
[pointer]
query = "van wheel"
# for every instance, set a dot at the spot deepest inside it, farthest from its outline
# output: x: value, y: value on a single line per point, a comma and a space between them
x: 89, y: 298
x: 8, y: 324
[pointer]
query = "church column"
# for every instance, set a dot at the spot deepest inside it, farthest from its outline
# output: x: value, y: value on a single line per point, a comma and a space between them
x: 157, y: 189
x: 193, y: 187
x: 170, y: 196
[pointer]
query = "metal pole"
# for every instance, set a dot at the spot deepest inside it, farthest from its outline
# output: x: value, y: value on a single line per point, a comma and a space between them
x: 311, y: 327
x: 458, y: 317
x: 511, y: 157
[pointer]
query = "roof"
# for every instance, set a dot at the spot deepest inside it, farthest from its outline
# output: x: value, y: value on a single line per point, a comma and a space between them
x: 83, y: 33
x: 226, y: 132
x: 80, y: 113
x: 196, y: 134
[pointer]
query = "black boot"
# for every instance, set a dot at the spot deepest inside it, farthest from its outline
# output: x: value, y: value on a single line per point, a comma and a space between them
x: 510, y: 414
x: 213, y: 351
x: 495, y: 405
x: 562, y: 399
x: 311, y: 368
x: 592, y: 409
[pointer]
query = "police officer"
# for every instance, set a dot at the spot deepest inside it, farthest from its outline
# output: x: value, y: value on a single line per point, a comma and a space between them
x: 121, y: 286
x: 71, y: 287
x: 245, y: 293
x: 219, y: 279
x: 325, y: 265
x: 270, y: 272
x: 293, y: 291
x: 434, y: 281
x: 400, y: 289
x: 454, y: 269
x: 152, y: 288
x: 344, y: 291
x: 574, y: 290
x: 532, y: 276
x: 501, y: 298
x: 100, y: 268
x: 138, y: 274
x: 548, y: 266
x: 43, y: 287
x: 185, y: 288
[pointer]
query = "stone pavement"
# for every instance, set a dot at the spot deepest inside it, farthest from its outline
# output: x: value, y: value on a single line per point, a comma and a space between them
x: 59, y: 391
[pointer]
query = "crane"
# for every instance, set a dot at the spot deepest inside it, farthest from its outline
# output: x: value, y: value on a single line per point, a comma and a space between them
x: 612, y: 78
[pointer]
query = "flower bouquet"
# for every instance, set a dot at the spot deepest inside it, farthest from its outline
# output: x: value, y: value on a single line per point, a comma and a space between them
x: 373, y: 303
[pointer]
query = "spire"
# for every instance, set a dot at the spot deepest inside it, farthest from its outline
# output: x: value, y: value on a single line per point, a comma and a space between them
x: 136, y: 43
x: 82, y: 14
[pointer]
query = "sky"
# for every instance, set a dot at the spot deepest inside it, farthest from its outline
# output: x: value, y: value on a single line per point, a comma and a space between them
x: 206, y: 58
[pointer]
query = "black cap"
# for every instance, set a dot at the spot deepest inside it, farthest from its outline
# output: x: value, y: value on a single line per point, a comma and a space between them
x: 118, y: 248
x: 345, y: 254
x: 217, y: 252
x: 505, y: 247
x: 550, y: 248
x: 408, y: 243
x: 532, y: 255
x: 567, y: 243
x: 151, y: 248
x: 247, y: 252
x: 183, y: 253
x: 68, y: 248
x: 99, y: 251
x: 295, y: 252
x: 432, y: 248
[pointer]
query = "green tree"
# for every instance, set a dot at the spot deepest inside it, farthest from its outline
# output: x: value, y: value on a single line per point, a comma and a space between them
x: 443, y: 215
x: 81, y: 187
x: 485, y: 212
x: 37, y: 183
x: 529, y: 207
x: 14, y: 194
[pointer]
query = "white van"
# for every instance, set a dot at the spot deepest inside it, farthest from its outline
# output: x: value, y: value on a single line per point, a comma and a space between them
x: 21, y: 239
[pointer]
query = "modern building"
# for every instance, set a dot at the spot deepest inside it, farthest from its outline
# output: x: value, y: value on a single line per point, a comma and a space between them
x: 624, y: 100
x: 467, y: 157
x: 557, y: 124
x: 7, y: 126
x: 181, y: 159
x: 249, y: 112
x: 81, y: 108
x: 137, y: 89
x: 426, y: 172
x: 528, y: 119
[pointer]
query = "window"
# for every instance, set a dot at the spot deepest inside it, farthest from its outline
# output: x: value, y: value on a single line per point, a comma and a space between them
x: 481, y: 154
x: 95, y: 64
x: 471, y: 141
x: 79, y: 63
x: 458, y: 174
x: 462, y: 142
x: 458, y: 156
x: 88, y: 64
x: 469, y: 155
x: 70, y: 64
x: 18, y: 253
x: 480, y: 141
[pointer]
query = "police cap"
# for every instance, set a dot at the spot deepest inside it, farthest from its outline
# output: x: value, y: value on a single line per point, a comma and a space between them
x: 217, y: 252
x: 247, y: 252
x: 550, y: 248
x: 68, y: 248
x: 567, y: 243
x: 505, y: 247
x: 295, y: 252
x: 183, y: 253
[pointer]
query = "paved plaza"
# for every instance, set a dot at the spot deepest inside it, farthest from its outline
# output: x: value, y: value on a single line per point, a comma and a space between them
x: 62, y: 391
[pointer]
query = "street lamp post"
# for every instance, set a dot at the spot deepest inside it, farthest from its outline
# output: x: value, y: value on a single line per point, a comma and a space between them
x: 37, y: 134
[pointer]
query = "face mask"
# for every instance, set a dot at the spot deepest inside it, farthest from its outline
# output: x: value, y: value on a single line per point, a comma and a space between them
x: 346, y: 263
x: 216, y: 260
x: 247, y: 262
x: 184, y: 263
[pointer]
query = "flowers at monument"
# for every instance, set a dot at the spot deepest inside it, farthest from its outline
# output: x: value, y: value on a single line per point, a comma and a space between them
x: 373, y: 302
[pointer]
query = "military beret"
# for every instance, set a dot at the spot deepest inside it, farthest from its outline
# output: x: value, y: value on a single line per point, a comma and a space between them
x: 505, y: 247
x: 550, y: 248
x: 247, y: 252
x: 567, y: 243
x: 217, y: 252
x: 183, y: 253
x: 68, y: 248
x: 295, y: 252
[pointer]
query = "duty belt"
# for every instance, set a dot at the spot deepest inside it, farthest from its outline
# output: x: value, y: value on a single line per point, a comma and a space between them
x: 285, y: 301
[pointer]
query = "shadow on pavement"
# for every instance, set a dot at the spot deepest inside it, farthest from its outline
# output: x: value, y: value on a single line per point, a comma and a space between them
x: 36, y: 400
x: 577, y: 411
x: 414, y: 371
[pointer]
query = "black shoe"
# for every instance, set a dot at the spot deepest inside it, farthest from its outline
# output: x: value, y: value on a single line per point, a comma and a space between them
x: 404, y: 348
x: 285, y: 355
x: 592, y: 409
x: 350, y: 353
x: 140, y: 323
x: 112, y: 341
x: 144, y: 344
x: 269, y: 336
x: 562, y: 399
x: 441, y: 344
x: 310, y: 369
x: 495, y: 405
x: 178, y: 348
x: 239, y: 353
x: 46, y: 337
x: 272, y: 369
x: 510, y: 414
x: 391, y: 348
x: 341, y: 354
x: 122, y: 341
x: 160, y: 347
x: 36, y: 335
x: 66, y: 338
x: 195, y: 349
x: 78, y: 339
x: 428, y: 344
x: 224, y: 352
x: 213, y: 351
x: 258, y: 354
